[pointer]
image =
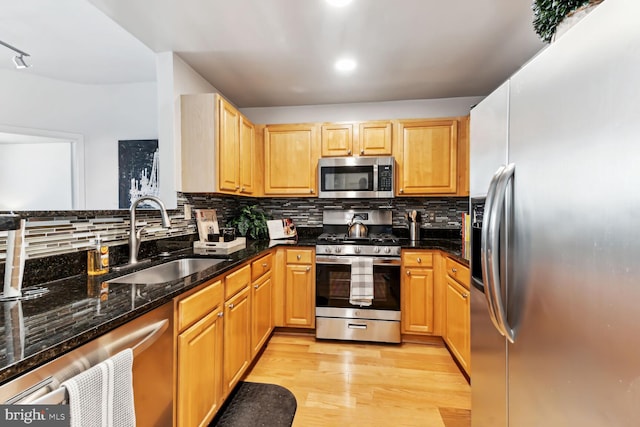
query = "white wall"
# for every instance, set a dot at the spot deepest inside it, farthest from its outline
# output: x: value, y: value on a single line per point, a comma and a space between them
x: 175, y: 78
x: 420, y: 108
x: 102, y: 114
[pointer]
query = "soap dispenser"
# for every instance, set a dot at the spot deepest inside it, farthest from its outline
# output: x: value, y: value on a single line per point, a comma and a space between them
x: 98, y: 258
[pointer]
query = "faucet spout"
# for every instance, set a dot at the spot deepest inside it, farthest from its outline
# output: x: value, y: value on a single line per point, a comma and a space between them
x: 135, y: 236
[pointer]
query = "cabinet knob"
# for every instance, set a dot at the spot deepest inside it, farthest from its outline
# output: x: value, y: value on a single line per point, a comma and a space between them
x: 465, y: 296
x: 298, y: 256
x: 311, y: 190
x: 255, y: 286
x: 453, y: 269
x: 408, y: 272
x: 308, y: 268
x: 237, y: 187
x: 401, y: 190
x: 349, y: 152
x: 243, y: 189
x: 419, y: 260
x: 221, y: 314
x: 231, y: 305
x: 362, y: 152
x: 264, y: 265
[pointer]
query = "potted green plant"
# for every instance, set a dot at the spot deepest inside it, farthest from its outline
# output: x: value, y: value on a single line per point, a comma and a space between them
x: 548, y: 14
x: 251, y: 221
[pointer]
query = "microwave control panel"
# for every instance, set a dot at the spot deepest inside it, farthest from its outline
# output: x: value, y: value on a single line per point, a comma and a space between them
x: 385, y: 178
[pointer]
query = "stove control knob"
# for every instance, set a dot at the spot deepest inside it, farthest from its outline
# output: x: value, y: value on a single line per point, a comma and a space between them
x: 328, y: 249
x: 387, y: 250
x: 357, y: 249
x: 376, y: 249
x: 338, y: 249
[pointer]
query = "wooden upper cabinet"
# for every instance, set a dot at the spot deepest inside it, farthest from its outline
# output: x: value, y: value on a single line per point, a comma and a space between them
x: 371, y: 138
x: 426, y: 153
x: 247, y: 156
x: 375, y: 138
x: 463, y: 156
x: 337, y: 139
x: 228, y: 146
x: 291, y: 155
x: 217, y: 146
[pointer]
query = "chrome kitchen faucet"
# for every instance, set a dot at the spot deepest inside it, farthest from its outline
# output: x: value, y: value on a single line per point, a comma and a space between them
x: 134, y: 236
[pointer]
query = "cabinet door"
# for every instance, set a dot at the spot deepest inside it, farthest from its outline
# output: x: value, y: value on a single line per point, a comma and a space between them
x: 417, y: 300
x: 463, y: 157
x: 300, y: 296
x: 291, y: 157
x: 457, y: 314
x: 199, y: 383
x: 228, y: 146
x: 261, y: 313
x: 336, y: 140
x: 237, y: 338
x: 374, y: 138
x: 197, y: 143
x: 247, y: 155
x: 427, y: 157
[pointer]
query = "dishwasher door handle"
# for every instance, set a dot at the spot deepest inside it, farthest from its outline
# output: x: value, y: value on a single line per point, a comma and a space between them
x: 138, y: 341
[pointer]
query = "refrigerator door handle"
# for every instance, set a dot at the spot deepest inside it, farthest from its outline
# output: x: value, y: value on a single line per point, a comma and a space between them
x: 486, y: 249
x: 493, y: 242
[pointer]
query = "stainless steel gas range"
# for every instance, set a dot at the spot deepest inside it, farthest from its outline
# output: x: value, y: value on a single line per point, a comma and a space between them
x: 358, y: 278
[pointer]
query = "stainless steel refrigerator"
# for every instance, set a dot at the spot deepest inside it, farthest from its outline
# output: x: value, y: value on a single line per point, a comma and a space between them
x: 555, y: 193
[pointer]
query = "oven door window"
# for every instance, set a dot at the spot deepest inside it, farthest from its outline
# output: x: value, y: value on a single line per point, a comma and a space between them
x: 346, y: 178
x: 333, y: 286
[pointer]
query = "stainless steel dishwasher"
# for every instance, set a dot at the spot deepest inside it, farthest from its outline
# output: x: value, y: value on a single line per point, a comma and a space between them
x: 151, y: 338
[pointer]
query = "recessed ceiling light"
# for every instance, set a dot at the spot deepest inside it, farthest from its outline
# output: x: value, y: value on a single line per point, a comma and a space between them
x: 345, y: 65
x: 339, y: 3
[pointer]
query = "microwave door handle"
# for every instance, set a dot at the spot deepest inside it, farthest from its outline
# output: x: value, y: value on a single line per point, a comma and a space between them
x: 487, y: 250
x: 497, y: 211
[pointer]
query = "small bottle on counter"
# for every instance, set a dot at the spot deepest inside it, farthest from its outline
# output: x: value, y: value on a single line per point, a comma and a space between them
x: 98, y: 258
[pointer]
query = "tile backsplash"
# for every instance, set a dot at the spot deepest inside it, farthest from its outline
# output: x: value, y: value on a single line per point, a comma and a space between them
x: 61, y: 232
x: 307, y: 212
x: 55, y: 233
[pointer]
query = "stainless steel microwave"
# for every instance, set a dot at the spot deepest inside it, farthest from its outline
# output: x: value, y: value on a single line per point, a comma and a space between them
x: 355, y: 177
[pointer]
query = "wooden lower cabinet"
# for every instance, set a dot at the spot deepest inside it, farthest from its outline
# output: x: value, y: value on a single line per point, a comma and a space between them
x: 261, y: 313
x: 417, y: 294
x: 237, y: 336
x: 199, y: 391
x: 219, y: 329
x: 200, y: 371
x: 457, y: 314
x: 457, y: 333
x: 300, y: 289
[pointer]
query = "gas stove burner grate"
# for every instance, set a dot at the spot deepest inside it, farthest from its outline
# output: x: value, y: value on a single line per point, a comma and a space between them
x: 386, y: 239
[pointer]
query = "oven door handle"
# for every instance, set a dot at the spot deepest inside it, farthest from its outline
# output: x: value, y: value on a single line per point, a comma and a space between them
x: 348, y: 260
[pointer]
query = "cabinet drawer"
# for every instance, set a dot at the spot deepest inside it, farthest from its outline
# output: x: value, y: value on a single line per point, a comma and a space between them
x: 299, y: 256
x: 417, y: 259
x: 458, y: 272
x: 236, y: 281
x: 196, y: 306
x: 261, y: 266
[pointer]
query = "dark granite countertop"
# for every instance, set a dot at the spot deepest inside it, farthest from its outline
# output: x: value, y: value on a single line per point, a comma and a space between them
x: 81, y: 308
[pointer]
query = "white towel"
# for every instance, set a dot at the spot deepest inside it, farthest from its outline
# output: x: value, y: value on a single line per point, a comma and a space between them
x: 361, y: 282
x: 102, y: 396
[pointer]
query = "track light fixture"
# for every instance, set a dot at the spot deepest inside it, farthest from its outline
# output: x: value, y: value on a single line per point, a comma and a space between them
x: 19, y: 58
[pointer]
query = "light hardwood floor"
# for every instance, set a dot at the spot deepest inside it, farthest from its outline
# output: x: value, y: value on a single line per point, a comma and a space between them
x: 357, y: 384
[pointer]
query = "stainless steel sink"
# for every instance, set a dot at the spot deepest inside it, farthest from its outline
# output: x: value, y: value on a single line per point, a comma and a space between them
x: 172, y: 270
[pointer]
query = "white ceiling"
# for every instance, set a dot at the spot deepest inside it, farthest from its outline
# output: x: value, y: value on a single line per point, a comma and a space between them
x: 71, y: 40
x: 262, y: 53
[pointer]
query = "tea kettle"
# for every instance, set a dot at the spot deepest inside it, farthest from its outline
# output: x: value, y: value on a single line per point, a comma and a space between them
x: 357, y: 229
